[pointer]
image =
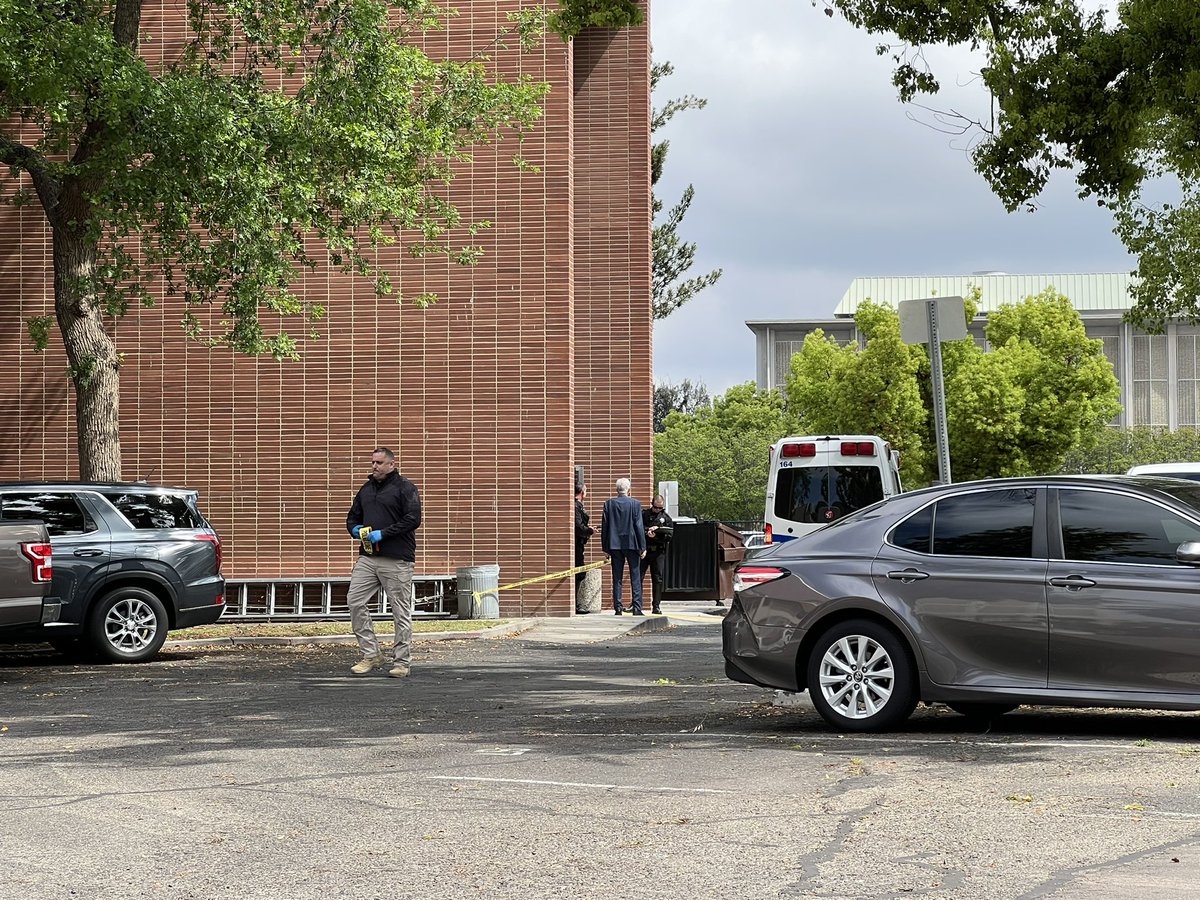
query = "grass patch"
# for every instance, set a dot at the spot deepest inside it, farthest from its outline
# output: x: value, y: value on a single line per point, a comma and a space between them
x: 317, y: 629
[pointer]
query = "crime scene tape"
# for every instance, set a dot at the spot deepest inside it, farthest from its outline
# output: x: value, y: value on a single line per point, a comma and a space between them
x: 563, y: 574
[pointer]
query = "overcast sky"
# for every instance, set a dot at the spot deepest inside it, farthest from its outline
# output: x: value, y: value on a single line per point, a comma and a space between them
x: 809, y: 172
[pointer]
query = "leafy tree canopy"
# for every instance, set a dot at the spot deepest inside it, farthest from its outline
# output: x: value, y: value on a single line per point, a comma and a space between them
x: 1110, y: 97
x: 684, y: 397
x: 839, y: 388
x: 1116, y: 450
x: 719, y: 453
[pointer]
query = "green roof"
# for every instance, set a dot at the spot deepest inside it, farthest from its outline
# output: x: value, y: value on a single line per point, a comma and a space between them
x: 1105, y: 291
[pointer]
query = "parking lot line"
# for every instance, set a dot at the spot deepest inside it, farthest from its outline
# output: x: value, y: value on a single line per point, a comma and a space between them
x: 582, y: 784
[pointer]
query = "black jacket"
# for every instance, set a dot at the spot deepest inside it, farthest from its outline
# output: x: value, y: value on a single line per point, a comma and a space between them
x: 583, y: 532
x: 666, y: 529
x: 392, y: 506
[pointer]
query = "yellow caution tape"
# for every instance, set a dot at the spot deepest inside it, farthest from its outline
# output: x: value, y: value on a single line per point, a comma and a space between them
x: 563, y: 574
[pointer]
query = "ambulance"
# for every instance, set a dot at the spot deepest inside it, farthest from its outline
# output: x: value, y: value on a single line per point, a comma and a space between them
x: 815, y: 480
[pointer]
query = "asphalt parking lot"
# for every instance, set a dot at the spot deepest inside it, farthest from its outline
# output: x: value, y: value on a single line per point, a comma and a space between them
x: 527, y: 767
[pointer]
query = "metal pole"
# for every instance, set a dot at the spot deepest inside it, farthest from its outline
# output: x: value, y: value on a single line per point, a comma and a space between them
x: 939, y: 395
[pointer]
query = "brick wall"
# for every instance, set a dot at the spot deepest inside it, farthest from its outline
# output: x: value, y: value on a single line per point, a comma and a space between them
x: 536, y: 359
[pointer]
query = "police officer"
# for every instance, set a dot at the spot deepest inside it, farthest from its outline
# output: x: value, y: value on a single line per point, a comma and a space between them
x: 660, y: 528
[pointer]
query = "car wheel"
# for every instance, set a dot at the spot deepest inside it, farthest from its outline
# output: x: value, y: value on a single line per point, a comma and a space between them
x: 982, y: 711
x: 128, y: 625
x: 860, y: 677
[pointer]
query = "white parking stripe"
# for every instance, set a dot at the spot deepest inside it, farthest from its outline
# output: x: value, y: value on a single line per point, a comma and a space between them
x: 582, y: 784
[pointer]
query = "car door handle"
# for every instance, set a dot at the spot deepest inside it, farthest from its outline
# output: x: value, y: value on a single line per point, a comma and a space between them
x: 88, y: 551
x: 908, y: 576
x: 1072, y: 582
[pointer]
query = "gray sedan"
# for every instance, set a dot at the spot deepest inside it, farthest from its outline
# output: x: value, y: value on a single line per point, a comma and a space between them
x: 1066, y: 591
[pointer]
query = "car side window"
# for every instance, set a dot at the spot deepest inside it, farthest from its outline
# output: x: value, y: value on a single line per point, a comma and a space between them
x: 985, y: 523
x: 1099, y: 526
x: 153, y: 510
x: 914, y: 533
x: 61, y: 512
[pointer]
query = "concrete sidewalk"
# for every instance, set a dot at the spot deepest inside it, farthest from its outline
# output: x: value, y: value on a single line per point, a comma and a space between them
x: 577, y: 629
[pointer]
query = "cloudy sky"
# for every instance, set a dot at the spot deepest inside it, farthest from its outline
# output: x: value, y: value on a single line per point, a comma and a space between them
x: 809, y: 172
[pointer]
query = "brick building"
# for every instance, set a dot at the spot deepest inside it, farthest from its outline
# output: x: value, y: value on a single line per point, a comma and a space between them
x: 534, y: 361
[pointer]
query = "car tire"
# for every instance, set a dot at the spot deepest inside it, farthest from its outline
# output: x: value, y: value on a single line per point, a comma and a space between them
x: 983, y: 712
x: 128, y: 624
x: 861, y: 677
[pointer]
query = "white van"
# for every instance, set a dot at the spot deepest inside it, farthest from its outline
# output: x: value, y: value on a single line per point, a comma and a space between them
x: 1190, y: 471
x: 814, y: 480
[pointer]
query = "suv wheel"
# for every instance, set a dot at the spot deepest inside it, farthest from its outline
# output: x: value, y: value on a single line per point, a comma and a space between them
x: 128, y: 625
x: 860, y: 677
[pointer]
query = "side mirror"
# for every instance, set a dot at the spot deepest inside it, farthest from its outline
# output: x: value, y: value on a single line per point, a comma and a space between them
x: 1188, y: 553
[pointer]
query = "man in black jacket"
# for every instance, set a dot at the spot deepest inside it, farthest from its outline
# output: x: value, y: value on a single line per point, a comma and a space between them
x: 660, y: 528
x: 583, y: 532
x: 384, y: 520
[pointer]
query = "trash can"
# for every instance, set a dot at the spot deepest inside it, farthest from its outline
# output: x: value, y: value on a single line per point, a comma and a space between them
x: 475, y: 579
x: 700, y: 561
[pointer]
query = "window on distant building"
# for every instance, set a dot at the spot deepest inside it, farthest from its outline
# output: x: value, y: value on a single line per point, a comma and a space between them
x: 1150, y: 392
x: 783, y: 361
x: 1187, y: 389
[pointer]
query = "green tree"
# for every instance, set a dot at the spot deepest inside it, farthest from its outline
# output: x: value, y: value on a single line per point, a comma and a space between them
x: 1109, y: 97
x: 719, y: 453
x: 203, y: 172
x: 670, y: 256
x: 1043, y: 390
x: 684, y: 397
x: 836, y: 388
x: 1116, y: 450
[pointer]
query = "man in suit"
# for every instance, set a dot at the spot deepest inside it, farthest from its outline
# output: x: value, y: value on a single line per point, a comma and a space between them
x: 623, y: 538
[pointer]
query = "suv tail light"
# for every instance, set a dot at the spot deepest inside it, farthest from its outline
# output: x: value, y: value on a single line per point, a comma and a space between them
x: 749, y: 576
x: 216, y: 542
x: 39, y: 561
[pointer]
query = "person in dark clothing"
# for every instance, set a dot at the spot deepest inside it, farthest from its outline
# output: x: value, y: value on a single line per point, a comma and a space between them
x: 660, y: 528
x: 583, y: 533
x: 384, y: 519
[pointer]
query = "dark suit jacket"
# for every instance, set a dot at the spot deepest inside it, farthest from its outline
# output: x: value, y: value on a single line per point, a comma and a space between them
x: 621, y: 525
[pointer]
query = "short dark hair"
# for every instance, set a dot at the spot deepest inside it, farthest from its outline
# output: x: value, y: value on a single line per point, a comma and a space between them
x: 386, y: 452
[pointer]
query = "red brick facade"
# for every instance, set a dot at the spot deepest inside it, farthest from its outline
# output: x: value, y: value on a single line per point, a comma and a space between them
x: 535, y: 360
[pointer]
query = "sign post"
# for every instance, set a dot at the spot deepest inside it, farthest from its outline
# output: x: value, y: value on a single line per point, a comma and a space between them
x: 931, y: 322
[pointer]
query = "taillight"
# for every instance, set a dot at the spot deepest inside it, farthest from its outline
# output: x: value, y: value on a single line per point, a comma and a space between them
x: 216, y: 542
x: 858, y: 448
x: 39, y: 561
x: 749, y: 576
x: 792, y: 450
x: 768, y: 534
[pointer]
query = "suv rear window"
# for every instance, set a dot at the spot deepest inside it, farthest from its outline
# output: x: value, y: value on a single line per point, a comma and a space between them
x: 153, y: 510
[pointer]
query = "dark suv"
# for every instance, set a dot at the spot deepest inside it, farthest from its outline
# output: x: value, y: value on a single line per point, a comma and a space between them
x: 131, y: 560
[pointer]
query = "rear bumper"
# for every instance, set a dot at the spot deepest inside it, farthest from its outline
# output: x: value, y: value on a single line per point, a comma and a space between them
x: 206, y: 603
x: 762, y: 655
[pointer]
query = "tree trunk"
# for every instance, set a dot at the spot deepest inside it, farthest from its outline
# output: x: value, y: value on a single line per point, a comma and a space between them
x: 93, y: 358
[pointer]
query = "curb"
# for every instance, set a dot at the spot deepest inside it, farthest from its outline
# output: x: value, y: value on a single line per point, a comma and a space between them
x: 497, y: 631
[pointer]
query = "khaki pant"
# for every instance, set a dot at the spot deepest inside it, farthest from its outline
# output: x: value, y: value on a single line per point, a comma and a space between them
x: 395, y: 576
